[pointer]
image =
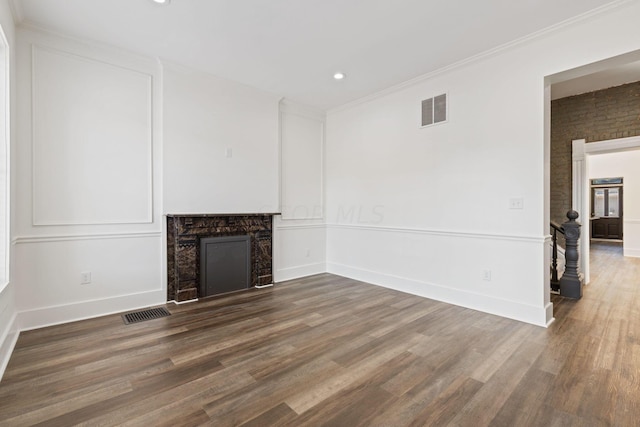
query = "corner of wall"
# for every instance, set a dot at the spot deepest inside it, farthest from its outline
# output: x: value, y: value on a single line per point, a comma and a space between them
x: 8, y: 326
x: 300, y: 232
x: 8, y: 343
x: 633, y: 253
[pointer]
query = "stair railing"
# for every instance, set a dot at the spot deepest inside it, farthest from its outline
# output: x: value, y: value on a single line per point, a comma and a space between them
x: 555, y: 283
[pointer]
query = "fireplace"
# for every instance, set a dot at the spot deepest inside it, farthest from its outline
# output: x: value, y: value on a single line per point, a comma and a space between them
x: 225, y: 265
x: 184, y: 236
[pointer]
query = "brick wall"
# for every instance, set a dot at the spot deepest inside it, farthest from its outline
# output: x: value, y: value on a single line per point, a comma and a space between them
x: 595, y: 116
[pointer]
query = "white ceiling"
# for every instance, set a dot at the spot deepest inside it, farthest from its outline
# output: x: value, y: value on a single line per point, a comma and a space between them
x: 293, y: 47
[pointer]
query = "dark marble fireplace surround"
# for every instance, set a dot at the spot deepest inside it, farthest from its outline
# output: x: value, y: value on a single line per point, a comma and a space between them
x: 183, y: 248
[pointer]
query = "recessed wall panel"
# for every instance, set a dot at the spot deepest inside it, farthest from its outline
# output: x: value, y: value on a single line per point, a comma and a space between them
x: 92, y: 141
x: 302, y: 167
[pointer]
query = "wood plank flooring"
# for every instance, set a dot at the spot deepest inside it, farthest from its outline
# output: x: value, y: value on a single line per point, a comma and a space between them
x: 335, y: 352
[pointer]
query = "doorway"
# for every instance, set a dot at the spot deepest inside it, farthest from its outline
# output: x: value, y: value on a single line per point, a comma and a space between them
x: 621, y: 148
x: 606, y: 209
x: 583, y: 108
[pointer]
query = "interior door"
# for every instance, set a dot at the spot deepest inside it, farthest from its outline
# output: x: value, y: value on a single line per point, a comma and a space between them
x: 606, y: 212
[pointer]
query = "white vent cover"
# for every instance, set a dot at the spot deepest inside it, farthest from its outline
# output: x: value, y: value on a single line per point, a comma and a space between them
x: 434, y: 110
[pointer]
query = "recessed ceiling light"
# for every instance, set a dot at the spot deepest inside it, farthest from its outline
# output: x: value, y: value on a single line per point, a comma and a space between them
x: 339, y: 76
x: 162, y: 1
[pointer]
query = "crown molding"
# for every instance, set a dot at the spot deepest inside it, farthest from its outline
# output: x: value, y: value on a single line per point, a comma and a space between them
x: 291, y: 107
x: 170, y: 64
x: 82, y: 46
x: 17, y: 11
x: 484, y: 55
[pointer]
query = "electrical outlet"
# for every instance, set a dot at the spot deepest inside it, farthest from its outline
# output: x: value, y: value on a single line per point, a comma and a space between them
x: 516, y: 203
x: 486, y: 275
x: 308, y: 253
x: 85, y: 278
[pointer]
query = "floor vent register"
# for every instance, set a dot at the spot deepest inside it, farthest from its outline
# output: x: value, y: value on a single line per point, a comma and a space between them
x: 143, y: 315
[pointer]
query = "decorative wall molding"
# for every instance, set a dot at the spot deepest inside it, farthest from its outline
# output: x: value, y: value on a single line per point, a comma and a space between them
x: 299, y: 226
x: 291, y: 208
x: 63, y: 41
x: 78, y: 237
x: 306, y: 218
x: 302, y: 220
x: 145, y: 81
x: 446, y: 233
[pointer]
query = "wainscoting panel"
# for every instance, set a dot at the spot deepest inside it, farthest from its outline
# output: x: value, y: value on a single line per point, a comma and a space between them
x: 125, y: 270
x: 496, y: 274
x: 299, y: 250
x: 65, y: 313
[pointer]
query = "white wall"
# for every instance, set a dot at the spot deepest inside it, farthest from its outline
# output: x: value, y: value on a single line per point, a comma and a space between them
x: 623, y: 164
x: 427, y: 210
x: 300, y: 233
x: 220, y: 145
x: 88, y: 177
x: 91, y: 140
x: 8, y: 304
x: 108, y: 143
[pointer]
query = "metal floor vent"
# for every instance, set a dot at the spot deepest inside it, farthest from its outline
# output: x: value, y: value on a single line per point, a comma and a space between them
x: 142, y: 315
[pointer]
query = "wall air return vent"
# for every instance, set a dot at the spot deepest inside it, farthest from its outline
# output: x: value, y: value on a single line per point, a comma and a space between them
x: 434, y: 110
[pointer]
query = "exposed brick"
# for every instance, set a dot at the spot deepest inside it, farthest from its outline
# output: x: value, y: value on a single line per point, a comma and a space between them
x: 595, y: 116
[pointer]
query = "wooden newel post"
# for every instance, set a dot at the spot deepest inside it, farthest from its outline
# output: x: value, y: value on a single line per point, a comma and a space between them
x: 571, y: 283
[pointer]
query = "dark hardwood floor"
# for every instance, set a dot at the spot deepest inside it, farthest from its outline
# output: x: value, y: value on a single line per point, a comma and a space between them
x: 331, y: 351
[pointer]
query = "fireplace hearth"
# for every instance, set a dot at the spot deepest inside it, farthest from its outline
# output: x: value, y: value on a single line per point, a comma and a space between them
x: 184, y: 233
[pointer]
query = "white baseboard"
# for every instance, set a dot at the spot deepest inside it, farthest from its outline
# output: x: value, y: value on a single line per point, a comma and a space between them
x: 500, y: 307
x: 630, y: 252
x: 8, y: 343
x: 189, y: 301
x: 55, y: 315
x: 297, y: 272
x: 550, y: 318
